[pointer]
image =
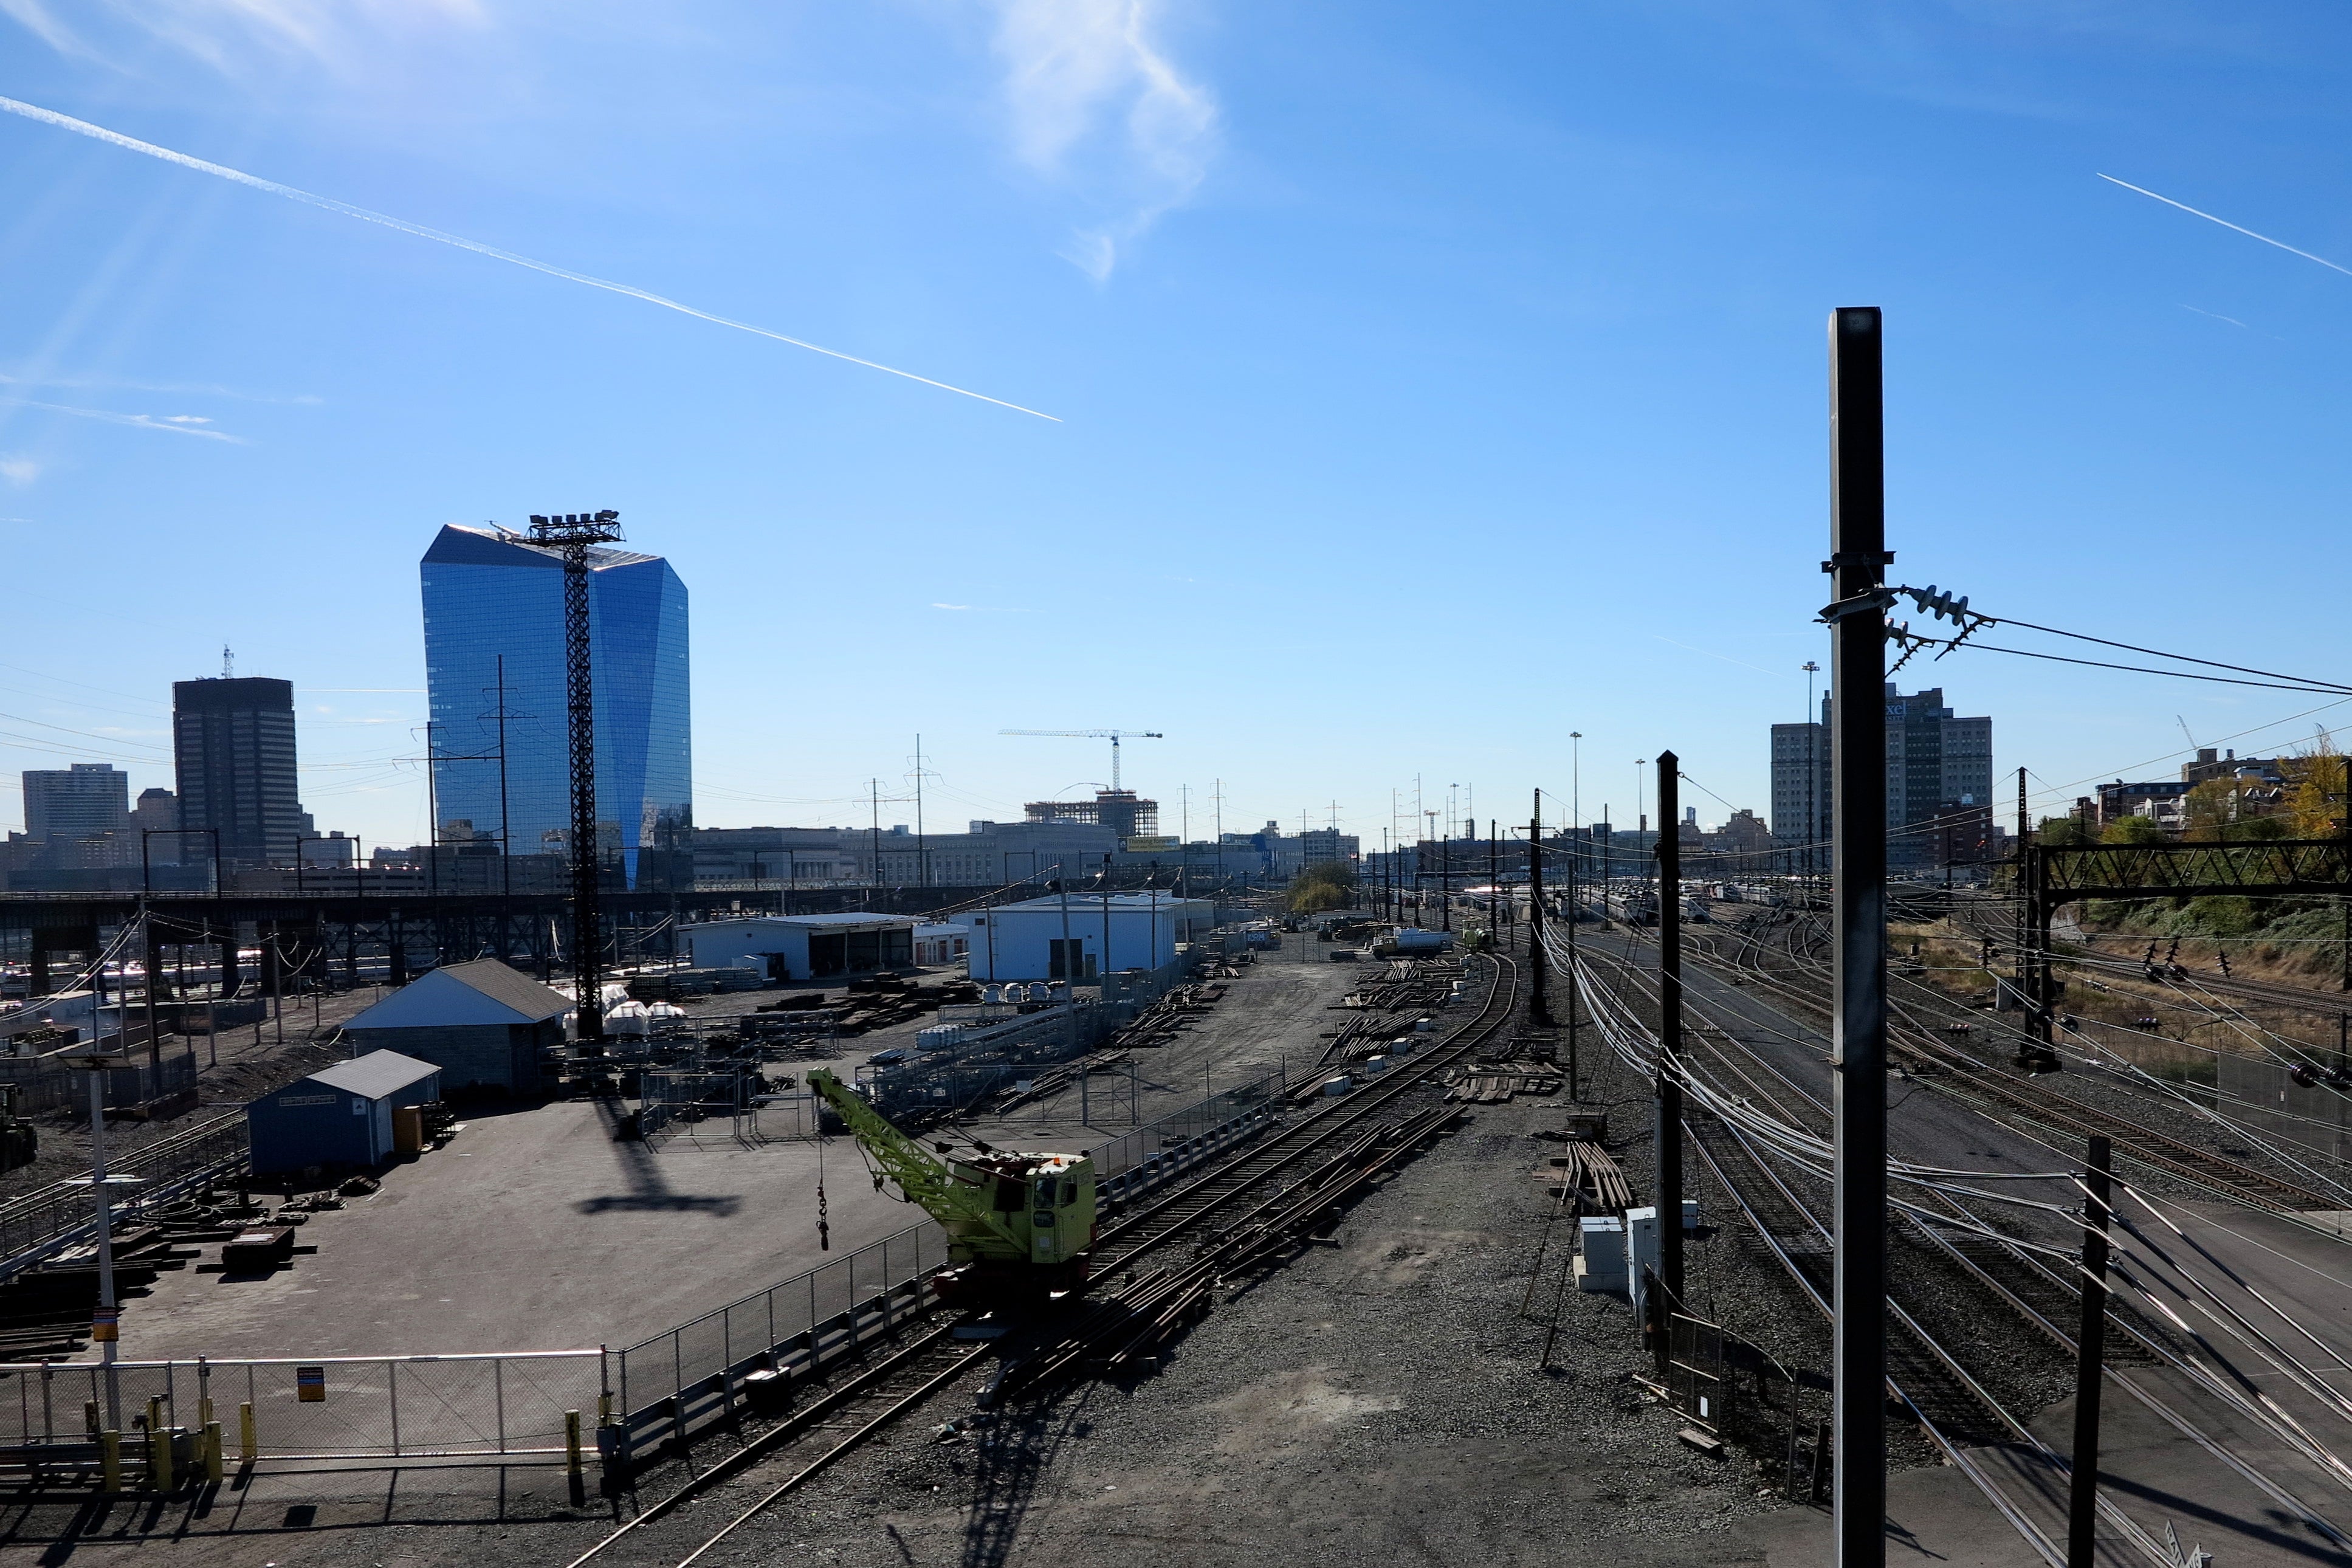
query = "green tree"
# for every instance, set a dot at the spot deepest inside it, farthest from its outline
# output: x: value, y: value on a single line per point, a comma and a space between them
x: 2133, y: 829
x: 1330, y: 885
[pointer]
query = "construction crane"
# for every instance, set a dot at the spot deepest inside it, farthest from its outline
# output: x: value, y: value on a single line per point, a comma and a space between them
x: 1018, y: 1224
x: 1113, y: 736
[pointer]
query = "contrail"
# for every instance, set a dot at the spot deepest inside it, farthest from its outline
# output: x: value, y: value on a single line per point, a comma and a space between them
x: 100, y: 134
x: 143, y: 422
x: 2225, y: 223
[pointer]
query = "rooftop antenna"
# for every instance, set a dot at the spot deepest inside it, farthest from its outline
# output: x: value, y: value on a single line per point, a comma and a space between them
x: 228, y: 663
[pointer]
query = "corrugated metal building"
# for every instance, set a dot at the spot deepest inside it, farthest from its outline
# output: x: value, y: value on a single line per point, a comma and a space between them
x: 339, y: 1116
x: 805, y: 947
x: 483, y: 1023
x: 1065, y: 939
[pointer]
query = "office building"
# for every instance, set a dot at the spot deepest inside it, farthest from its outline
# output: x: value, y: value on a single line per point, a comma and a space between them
x: 1800, y: 781
x: 76, y: 801
x: 494, y: 646
x: 1938, y: 772
x: 233, y: 748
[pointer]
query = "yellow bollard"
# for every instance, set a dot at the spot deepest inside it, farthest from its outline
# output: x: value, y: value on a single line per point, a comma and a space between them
x: 214, y: 1467
x: 248, y: 1445
x: 110, y: 1460
x: 159, y: 1460
x: 205, y: 1410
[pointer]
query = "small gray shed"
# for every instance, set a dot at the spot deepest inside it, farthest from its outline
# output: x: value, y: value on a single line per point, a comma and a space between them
x: 483, y: 1023
x: 339, y: 1116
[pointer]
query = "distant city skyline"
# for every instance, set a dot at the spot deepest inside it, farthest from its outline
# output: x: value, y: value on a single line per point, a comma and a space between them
x: 1417, y: 411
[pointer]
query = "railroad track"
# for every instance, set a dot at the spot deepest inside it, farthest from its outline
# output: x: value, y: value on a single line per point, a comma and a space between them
x: 1916, y: 1045
x: 1245, y: 1204
x: 1951, y: 1408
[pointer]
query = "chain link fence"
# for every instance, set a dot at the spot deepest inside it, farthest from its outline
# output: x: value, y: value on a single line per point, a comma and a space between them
x: 325, y: 1407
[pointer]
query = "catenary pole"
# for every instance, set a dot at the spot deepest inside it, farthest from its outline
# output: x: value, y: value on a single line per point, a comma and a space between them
x: 1669, y: 1086
x: 2090, y: 1358
x: 1858, y: 558
x: 1538, y: 977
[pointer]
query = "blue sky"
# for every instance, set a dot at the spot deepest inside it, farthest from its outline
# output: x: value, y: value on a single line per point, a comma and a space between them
x: 1432, y: 380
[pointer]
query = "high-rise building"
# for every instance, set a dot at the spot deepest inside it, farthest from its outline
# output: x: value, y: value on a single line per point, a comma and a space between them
x: 1938, y: 770
x: 76, y: 801
x: 494, y: 644
x: 157, y: 813
x: 232, y: 749
x: 1800, y: 781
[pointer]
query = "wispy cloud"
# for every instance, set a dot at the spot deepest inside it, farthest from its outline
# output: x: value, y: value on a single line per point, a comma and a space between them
x: 227, y: 33
x: 20, y: 472
x: 171, y: 423
x: 165, y: 388
x: 1096, y: 101
x: 294, y: 194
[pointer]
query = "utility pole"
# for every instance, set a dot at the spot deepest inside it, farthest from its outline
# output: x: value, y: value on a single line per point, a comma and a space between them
x: 1540, y: 1002
x: 1857, y: 562
x: 1494, y: 877
x: 1813, y: 777
x: 922, y: 850
x: 1669, y: 1086
x: 2090, y: 1360
x: 573, y: 534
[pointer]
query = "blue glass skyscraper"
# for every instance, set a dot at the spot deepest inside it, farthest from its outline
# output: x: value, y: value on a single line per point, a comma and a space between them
x: 493, y: 600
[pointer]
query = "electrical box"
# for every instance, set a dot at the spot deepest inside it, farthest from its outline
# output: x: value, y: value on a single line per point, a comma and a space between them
x: 1600, y: 1254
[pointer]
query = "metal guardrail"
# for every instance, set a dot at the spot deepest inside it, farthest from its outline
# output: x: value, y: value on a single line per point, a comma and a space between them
x: 44, y: 1222
x: 684, y: 1379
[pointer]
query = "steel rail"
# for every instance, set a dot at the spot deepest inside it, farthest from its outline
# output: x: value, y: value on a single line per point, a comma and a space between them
x: 1270, y: 1159
x: 2127, y: 1325
x: 2214, y: 1173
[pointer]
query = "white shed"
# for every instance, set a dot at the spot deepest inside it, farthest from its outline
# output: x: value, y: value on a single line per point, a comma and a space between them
x: 1081, y: 935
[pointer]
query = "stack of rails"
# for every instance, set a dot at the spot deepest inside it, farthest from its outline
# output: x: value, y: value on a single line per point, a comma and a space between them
x: 1588, y: 1178
x: 1493, y: 1083
x: 1052, y: 1081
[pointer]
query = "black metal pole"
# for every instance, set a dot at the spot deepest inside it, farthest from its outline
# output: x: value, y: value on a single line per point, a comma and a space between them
x: 2090, y: 1356
x: 1858, y: 558
x: 1670, y: 1029
x: 1538, y: 979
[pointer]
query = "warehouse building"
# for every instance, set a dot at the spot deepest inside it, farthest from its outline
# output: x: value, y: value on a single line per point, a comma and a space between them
x: 340, y: 1116
x: 793, y: 948
x: 483, y: 1023
x: 1083, y: 935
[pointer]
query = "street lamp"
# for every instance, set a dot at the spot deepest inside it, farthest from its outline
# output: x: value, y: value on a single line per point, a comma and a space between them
x: 1812, y: 773
x: 105, y: 1321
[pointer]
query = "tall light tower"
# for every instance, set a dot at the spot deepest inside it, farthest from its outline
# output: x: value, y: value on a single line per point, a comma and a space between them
x: 573, y: 534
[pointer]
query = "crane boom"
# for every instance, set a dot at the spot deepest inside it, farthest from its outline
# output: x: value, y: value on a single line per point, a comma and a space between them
x: 923, y: 1178
x: 1026, y: 1222
x: 1113, y: 736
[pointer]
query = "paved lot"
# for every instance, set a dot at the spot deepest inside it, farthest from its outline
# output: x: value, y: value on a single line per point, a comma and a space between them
x: 532, y: 1231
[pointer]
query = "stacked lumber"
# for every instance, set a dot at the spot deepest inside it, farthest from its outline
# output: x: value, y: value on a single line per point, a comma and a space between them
x: 1494, y: 1083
